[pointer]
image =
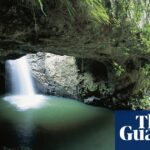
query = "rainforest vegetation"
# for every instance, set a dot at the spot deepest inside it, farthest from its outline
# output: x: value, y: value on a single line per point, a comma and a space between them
x: 117, y: 31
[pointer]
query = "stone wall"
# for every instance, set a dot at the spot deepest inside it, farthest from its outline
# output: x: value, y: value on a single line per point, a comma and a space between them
x: 97, y: 82
x: 55, y: 74
x: 82, y: 79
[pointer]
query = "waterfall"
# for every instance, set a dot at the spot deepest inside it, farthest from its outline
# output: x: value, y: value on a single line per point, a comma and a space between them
x: 20, y: 77
x: 21, y: 86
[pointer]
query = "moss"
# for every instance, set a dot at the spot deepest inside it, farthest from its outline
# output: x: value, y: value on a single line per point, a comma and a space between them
x: 88, y: 83
x: 143, y: 103
x: 118, y: 69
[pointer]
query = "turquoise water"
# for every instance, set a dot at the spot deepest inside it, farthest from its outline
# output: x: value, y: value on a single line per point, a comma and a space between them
x: 52, y: 123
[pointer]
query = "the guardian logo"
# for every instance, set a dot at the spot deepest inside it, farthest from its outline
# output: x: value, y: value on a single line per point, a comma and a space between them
x: 142, y: 133
x: 132, y: 130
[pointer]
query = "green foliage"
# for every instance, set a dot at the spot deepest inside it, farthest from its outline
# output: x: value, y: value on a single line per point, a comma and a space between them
x: 143, y: 103
x: 122, y: 29
x: 34, y: 3
x: 87, y: 10
x: 130, y: 39
x: 118, y: 69
x: 144, y: 79
x: 146, y: 70
x: 95, y: 10
x: 130, y: 26
x: 145, y: 37
x: 41, y: 6
x: 132, y: 10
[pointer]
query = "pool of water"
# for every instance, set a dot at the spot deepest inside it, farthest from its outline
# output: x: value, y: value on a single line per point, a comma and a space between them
x: 52, y: 123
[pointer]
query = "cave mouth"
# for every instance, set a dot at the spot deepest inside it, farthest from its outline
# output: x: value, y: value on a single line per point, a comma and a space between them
x: 98, y: 69
x: 50, y: 73
x: 30, y: 121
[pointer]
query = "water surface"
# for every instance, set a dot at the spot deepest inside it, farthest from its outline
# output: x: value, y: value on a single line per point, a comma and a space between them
x: 52, y: 123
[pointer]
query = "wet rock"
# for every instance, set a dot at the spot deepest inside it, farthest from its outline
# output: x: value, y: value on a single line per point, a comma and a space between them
x: 55, y: 75
x: 91, y: 99
x: 63, y: 76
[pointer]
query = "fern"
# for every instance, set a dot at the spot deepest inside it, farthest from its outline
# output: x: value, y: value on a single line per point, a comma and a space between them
x: 90, y: 10
x: 96, y: 10
x: 33, y: 3
x: 41, y: 6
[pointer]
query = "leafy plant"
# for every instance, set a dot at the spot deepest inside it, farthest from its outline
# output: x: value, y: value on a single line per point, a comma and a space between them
x: 143, y: 103
x: 91, y: 10
x: 118, y: 69
x: 41, y: 6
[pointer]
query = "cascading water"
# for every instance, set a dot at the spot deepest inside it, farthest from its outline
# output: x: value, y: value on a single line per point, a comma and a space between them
x: 22, y: 89
x: 20, y: 78
x: 31, y: 121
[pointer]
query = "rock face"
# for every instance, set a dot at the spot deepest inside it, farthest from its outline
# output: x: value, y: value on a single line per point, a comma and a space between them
x: 94, y: 82
x: 102, y: 82
x: 2, y: 78
x: 55, y: 75
x: 82, y: 79
x: 85, y: 67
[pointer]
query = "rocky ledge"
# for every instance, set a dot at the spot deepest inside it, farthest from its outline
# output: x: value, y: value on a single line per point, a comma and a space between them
x: 88, y: 65
x: 93, y: 82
